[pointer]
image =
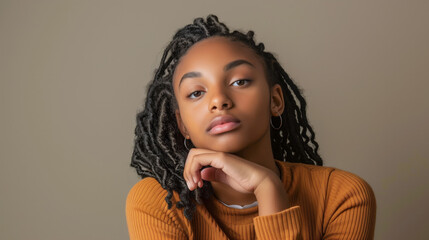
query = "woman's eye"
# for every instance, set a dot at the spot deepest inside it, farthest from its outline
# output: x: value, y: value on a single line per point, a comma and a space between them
x: 195, y: 94
x: 241, y: 82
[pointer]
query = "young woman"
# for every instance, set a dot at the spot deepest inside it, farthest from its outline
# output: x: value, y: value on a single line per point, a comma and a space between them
x: 226, y: 152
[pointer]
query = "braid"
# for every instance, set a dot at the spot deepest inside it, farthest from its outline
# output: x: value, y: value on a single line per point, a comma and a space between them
x: 159, y: 151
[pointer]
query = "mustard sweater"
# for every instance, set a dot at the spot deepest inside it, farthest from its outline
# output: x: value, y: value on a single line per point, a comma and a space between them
x: 327, y: 203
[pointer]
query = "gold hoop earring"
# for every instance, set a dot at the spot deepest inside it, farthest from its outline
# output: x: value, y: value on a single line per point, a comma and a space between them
x: 184, y: 143
x: 281, y: 122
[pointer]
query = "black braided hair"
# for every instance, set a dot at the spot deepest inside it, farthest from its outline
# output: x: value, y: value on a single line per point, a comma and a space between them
x: 159, y: 151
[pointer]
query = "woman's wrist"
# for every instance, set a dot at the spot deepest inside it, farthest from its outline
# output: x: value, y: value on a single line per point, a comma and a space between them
x: 271, y: 196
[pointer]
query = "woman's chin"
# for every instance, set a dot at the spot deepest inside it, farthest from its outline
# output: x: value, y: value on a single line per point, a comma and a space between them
x: 228, y: 148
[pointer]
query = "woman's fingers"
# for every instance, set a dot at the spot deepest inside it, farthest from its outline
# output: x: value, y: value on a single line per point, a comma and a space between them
x: 213, y: 174
x: 194, y: 163
x: 190, y: 179
x: 225, y: 168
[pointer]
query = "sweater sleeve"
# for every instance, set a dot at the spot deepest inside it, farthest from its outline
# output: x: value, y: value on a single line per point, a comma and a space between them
x: 350, y: 207
x: 282, y: 225
x: 148, y: 216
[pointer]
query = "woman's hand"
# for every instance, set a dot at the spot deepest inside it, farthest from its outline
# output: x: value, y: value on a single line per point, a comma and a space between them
x: 242, y: 175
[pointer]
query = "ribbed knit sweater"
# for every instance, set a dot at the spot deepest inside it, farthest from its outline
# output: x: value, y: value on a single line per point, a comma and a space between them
x: 327, y: 203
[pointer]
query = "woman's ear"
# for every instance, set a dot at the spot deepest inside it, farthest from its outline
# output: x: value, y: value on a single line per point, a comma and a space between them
x: 277, y: 100
x: 182, y: 127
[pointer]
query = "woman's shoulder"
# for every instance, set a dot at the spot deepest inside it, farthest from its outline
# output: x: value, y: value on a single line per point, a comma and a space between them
x: 147, y: 192
x: 336, y: 183
x: 306, y: 172
x: 331, y: 173
x: 148, y: 214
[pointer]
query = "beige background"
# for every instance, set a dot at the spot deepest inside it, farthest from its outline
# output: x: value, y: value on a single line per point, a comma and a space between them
x: 73, y: 77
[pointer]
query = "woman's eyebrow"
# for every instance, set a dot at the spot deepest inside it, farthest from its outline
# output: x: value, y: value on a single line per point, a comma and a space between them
x: 190, y: 75
x: 227, y: 67
x: 236, y: 63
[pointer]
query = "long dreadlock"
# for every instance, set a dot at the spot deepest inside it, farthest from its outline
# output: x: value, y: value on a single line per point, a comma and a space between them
x: 159, y: 151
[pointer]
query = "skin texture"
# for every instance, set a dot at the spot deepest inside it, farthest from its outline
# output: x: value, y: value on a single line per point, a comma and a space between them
x: 242, y: 168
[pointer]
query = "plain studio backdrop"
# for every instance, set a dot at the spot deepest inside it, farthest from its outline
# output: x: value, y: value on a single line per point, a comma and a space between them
x: 73, y: 76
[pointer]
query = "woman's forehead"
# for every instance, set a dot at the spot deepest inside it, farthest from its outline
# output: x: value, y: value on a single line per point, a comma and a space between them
x: 215, y: 52
x: 217, y: 45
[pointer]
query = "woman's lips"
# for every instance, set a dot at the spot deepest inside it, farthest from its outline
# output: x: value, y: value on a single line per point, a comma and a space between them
x: 223, y: 124
x: 226, y: 127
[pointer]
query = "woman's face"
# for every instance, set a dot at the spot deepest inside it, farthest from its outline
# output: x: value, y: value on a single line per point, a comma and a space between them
x: 223, y: 96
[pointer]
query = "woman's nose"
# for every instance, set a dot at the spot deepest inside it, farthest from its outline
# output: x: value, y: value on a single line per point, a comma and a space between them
x: 220, y: 101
